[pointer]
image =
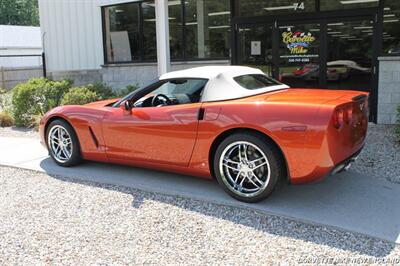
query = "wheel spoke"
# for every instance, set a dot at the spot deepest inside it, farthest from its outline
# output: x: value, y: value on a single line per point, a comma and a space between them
x: 245, y: 151
x: 254, y: 183
x: 257, y: 160
x: 230, y: 167
x: 230, y: 161
x: 237, y: 177
x: 257, y: 179
x: 258, y: 166
x: 240, y: 153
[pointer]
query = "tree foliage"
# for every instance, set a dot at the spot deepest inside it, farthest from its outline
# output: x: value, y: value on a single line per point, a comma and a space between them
x: 19, y: 12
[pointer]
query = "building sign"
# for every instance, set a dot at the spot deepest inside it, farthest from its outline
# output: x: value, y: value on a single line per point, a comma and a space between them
x: 299, y: 45
x: 297, y: 42
x: 255, y: 48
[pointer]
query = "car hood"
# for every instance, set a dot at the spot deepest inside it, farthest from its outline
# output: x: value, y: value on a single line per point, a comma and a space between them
x: 100, y: 104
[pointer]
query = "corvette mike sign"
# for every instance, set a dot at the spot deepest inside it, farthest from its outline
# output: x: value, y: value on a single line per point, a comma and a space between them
x: 298, y: 45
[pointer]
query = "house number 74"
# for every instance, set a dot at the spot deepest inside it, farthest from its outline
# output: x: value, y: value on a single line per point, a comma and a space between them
x: 299, y: 6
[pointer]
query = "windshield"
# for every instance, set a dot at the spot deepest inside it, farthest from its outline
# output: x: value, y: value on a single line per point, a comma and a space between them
x: 255, y: 81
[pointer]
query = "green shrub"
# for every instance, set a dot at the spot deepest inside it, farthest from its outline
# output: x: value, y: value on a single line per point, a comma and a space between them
x: 102, y: 90
x: 35, y: 97
x: 79, y: 95
x: 128, y: 89
x: 51, y: 94
x: 6, y: 119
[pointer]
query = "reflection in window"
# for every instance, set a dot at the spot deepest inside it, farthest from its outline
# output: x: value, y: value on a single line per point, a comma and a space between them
x: 207, y: 28
x: 149, y: 31
x: 391, y: 27
x: 175, y: 29
x: 122, y: 32
x: 248, y: 8
x: 347, y: 4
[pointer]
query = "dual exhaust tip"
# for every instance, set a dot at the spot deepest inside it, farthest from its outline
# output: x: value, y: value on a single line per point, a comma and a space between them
x: 344, y: 167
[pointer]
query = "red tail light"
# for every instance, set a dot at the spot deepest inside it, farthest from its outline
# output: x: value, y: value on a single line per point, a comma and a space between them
x: 348, y: 113
x: 342, y: 114
x: 337, y: 118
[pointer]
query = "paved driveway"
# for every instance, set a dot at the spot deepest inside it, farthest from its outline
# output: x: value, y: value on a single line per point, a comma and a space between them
x: 349, y: 201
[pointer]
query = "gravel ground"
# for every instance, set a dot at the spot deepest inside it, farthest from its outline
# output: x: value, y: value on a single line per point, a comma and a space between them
x: 381, y: 154
x: 53, y: 220
x: 18, y: 132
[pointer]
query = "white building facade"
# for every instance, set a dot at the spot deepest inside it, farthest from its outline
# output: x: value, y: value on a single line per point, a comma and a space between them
x: 332, y: 44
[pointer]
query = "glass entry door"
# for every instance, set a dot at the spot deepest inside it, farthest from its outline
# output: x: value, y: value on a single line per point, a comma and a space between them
x: 255, y: 46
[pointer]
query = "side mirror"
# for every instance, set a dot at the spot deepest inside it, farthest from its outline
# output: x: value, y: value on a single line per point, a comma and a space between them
x: 126, y: 106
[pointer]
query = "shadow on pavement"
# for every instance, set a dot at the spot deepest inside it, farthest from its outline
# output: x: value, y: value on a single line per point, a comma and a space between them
x: 346, y: 202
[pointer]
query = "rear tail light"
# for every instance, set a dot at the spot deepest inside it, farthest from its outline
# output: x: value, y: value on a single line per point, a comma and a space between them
x: 342, y: 114
x: 337, y: 118
x: 348, y: 114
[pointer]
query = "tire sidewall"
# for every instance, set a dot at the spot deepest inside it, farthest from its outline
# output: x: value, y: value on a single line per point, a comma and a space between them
x: 76, y: 150
x: 268, y: 149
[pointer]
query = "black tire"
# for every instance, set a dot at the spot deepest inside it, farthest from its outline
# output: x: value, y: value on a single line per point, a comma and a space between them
x: 276, y: 165
x: 75, y: 157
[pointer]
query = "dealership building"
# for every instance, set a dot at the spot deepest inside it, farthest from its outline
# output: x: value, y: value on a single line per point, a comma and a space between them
x: 332, y: 44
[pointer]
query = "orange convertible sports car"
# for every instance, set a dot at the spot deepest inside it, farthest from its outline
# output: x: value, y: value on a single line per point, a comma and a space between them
x: 232, y: 123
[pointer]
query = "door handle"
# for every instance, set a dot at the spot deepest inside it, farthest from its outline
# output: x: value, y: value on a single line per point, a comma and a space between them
x: 200, y: 114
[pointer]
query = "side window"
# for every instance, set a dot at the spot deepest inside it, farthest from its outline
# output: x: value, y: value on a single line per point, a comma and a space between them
x: 173, y: 92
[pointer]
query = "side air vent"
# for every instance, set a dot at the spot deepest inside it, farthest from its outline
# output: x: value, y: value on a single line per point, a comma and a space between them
x: 96, y: 142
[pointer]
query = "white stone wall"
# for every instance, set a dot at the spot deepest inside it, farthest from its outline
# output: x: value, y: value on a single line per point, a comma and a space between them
x: 388, y: 89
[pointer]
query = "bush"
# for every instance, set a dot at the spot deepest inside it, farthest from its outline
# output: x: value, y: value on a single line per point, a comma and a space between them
x: 28, y: 101
x: 6, y: 119
x: 79, y: 95
x: 126, y: 91
x: 35, y: 97
x: 102, y: 90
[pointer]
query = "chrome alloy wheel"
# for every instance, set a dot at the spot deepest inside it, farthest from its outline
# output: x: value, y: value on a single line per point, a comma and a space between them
x: 60, y: 143
x: 244, y: 169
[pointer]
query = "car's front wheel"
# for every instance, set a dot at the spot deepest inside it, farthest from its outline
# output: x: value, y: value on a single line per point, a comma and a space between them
x: 63, y: 144
x: 248, y: 166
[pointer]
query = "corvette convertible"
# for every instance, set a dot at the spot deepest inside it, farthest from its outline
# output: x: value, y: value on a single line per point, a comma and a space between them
x: 231, y: 123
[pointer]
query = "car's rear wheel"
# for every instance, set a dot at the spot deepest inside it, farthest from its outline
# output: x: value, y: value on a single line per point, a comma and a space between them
x: 63, y: 144
x: 248, y: 166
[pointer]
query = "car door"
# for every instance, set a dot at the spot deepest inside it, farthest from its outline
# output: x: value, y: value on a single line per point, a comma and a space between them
x: 163, y: 134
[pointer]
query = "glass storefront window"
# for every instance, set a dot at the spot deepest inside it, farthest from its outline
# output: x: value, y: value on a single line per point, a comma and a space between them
x: 122, y: 26
x: 207, y: 29
x: 391, y: 27
x: 149, y: 31
x: 249, y: 8
x: 347, y: 4
x: 175, y: 29
x: 349, y: 55
x: 122, y: 30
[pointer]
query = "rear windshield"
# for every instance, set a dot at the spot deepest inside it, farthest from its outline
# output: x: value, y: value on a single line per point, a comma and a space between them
x: 255, y: 81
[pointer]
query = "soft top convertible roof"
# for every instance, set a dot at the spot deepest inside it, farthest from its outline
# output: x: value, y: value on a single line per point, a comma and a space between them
x: 221, y: 84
